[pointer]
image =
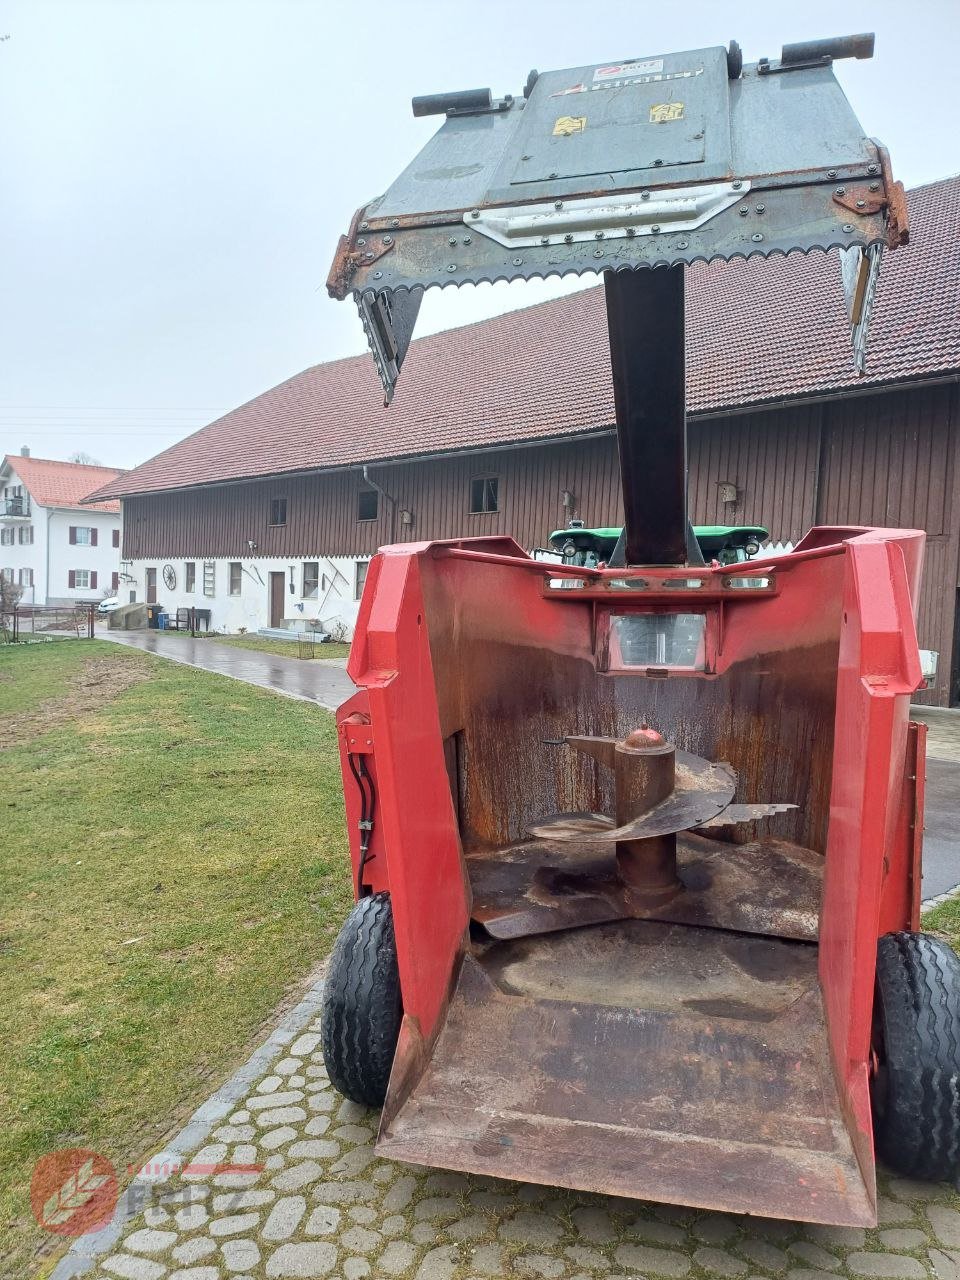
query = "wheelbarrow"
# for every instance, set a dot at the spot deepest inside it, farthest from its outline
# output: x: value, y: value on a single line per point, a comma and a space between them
x: 636, y: 846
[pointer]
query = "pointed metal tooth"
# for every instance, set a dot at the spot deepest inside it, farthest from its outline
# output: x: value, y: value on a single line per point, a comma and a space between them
x: 745, y: 813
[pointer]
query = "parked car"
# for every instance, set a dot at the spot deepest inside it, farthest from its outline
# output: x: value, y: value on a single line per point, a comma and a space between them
x: 109, y: 605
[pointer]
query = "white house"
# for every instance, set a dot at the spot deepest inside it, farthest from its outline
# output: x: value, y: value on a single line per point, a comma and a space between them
x: 56, y: 549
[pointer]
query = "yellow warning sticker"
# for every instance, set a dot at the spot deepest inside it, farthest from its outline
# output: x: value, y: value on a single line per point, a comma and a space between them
x: 569, y: 124
x: 664, y: 112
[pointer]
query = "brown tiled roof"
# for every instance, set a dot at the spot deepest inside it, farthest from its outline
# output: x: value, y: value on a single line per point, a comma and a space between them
x: 758, y: 331
x: 64, y: 484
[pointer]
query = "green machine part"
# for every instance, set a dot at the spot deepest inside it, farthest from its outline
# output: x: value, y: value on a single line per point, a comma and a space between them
x: 730, y: 544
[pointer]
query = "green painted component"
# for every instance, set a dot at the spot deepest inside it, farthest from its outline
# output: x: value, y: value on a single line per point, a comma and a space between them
x: 714, y: 539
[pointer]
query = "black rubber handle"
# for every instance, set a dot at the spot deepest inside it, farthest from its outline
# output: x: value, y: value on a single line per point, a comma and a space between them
x: 438, y: 104
x: 860, y: 46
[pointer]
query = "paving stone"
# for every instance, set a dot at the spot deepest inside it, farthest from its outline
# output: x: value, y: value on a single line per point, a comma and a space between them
x: 240, y: 1255
x: 284, y: 1218
x: 582, y: 1256
x: 323, y: 1221
x: 195, y: 1249
x: 424, y: 1233
x: 297, y: 1082
x: 304, y: 1045
x: 271, y: 1100
x: 316, y: 1126
x: 238, y: 1180
x: 439, y: 1263
x: 343, y: 1192
x: 444, y: 1182
x: 270, y: 1084
x: 527, y: 1227
x: 718, y: 1262
x: 470, y: 1228
x: 323, y: 1101
x: 436, y: 1207
x: 276, y: 1161
x: 945, y: 1223
x: 315, y: 1149
x: 355, y: 1268
x: 383, y: 1171
x: 908, y: 1189
x: 196, y: 1273
x: 287, y: 1066
x: 714, y: 1228
x: 539, y: 1264
x: 239, y: 1117
x: 487, y: 1260
x: 902, y: 1238
x: 353, y: 1133
x: 398, y: 1257
x: 149, y: 1240
x: 814, y: 1255
x: 594, y: 1224
x: 844, y: 1237
x: 297, y: 1176
x: 234, y: 1201
x: 892, y: 1266
x: 400, y: 1194
x: 204, y: 1162
x: 314, y: 1070
x: 316, y: 1259
x: 350, y: 1110
x: 363, y: 1214
x: 277, y: 1137
x: 654, y: 1232
x: 155, y: 1215
x: 944, y: 1266
x: 764, y: 1254
x: 360, y: 1239
x: 235, y: 1132
x: 191, y: 1216
x: 185, y: 1195
x: 890, y: 1211
x: 131, y: 1268
x: 234, y: 1225
x: 809, y: 1273
x: 244, y: 1153
x: 661, y: 1262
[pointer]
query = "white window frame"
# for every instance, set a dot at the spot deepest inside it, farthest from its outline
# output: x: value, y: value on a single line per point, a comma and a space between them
x: 359, y: 580
x: 85, y: 584
x: 315, y: 593
x: 83, y: 538
x: 234, y: 578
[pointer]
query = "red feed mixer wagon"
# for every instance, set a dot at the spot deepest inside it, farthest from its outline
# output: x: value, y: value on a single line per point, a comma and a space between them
x: 636, y: 849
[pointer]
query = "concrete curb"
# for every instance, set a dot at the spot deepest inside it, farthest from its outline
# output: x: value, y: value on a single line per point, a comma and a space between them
x: 948, y: 896
x: 84, y: 1252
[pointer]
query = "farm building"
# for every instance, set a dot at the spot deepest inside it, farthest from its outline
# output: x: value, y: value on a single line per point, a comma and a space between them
x: 269, y: 515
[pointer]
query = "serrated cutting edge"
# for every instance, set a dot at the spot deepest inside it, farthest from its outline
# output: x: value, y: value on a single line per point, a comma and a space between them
x: 745, y: 813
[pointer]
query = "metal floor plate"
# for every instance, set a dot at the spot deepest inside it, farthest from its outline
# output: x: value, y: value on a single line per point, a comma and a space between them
x: 641, y: 1059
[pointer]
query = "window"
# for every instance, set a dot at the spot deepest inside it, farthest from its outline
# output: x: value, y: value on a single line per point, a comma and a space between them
x: 115, y: 538
x: 26, y: 535
x: 114, y: 582
x: 81, y: 580
x: 81, y: 536
x: 190, y: 576
x: 25, y: 578
x: 278, y: 511
x: 362, y: 567
x: 483, y: 495
x: 311, y: 580
x: 236, y: 577
x: 7, y: 575
x: 368, y: 502
x: 209, y: 578
x: 6, y: 537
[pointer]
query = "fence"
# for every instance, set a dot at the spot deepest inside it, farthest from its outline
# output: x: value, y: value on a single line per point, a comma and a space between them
x: 25, y: 622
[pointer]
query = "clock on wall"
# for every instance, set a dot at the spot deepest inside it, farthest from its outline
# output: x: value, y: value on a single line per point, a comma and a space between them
x: 169, y: 577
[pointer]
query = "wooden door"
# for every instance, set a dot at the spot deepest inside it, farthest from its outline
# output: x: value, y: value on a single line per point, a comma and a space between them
x: 151, y: 586
x: 276, y: 599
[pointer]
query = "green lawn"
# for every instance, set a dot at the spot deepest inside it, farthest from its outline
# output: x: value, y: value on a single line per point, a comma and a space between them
x: 287, y: 648
x: 173, y: 863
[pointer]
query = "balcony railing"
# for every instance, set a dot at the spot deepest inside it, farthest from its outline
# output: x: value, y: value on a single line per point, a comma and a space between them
x: 14, y: 506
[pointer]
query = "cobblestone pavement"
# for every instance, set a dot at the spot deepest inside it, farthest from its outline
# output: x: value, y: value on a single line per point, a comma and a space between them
x: 324, y: 1204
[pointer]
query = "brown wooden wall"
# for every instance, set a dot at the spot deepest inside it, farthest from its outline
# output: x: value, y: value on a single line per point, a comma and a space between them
x: 885, y: 459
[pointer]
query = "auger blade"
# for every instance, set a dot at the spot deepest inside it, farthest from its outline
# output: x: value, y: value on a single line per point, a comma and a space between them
x: 744, y: 813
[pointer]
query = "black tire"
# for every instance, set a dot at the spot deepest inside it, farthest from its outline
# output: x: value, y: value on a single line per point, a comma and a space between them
x: 916, y: 1084
x: 362, y: 1007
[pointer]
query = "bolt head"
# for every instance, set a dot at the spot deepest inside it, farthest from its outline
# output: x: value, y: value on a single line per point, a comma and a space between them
x: 451, y: 266
x: 761, y: 208
x: 518, y: 262
x: 681, y: 244
x: 841, y: 191
x: 364, y: 226
x: 558, y: 204
x: 743, y: 211
x: 474, y: 213
x: 394, y: 222
x: 737, y: 185
x: 598, y: 235
x: 544, y: 239
x: 369, y: 256
x: 452, y: 240
x: 874, y: 186
x: 568, y: 238
x: 831, y: 173
x: 631, y: 231
x: 468, y: 239
x: 847, y: 227
x: 657, y: 164
x: 872, y: 168
x: 644, y: 195
x: 861, y: 204
x: 756, y: 237
x: 387, y: 240
x: 598, y: 253
x: 377, y: 275
x: 361, y: 241
x: 655, y: 229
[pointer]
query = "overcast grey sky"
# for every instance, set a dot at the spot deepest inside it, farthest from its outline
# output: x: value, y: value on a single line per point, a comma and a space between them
x: 174, y: 174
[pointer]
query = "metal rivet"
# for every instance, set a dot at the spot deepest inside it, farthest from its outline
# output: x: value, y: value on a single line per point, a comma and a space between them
x: 847, y: 227
x: 861, y: 204
x: 370, y: 256
x: 387, y: 240
x: 840, y: 191
x: 364, y: 226
x: 568, y: 238
x: 743, y: 211
x: 872, y: 168
x: 394, y: 222
x: 756, y: 237
x: 468, y: 239
x: 452, y: 240
x: 558, y: 204
x: 874, y: 186
x: 737, y: 185
x: 761, y: 208
x: 681, y: 244
x: 655, y: 229
x: 644, y: 195
x: 598, y: 235
x: 631, y: 231
x: 377, y: 275
x: 544, y: 239
x: 451, y: 266
x: 474, y: 213
x: 657, y: 164
x: 518, y: 262
x: 598, y: 253
x: 831, y: 173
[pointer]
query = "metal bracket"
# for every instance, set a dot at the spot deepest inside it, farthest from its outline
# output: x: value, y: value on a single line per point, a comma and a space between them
x: 861, y: 199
